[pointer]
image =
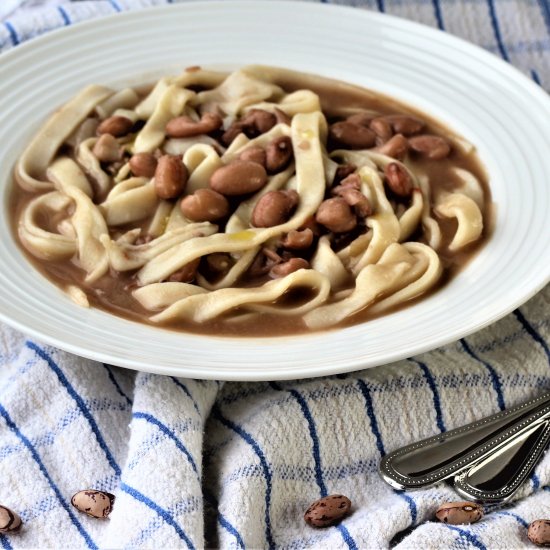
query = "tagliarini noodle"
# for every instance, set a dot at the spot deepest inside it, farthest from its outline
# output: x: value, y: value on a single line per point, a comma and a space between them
x: 260, y: 201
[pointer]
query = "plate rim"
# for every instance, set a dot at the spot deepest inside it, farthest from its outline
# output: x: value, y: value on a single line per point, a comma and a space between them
x: 351, y: 364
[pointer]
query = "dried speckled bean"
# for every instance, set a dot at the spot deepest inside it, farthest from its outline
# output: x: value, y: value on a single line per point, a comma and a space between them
x: 458, y: 513
x: 539, y: 532
x: 10, y: 522
x: 97, y: 504
x: 327, y: 511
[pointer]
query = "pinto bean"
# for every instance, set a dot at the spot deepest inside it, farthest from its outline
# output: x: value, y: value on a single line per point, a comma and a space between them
x: 238, y: 178
x: 342, y: 172
x: 396, y: 147
x: 430, y: 147
x: 405, y: 124
x: 184, y: 126
x: 363, y: 119
x: 382, y: 128
x: 171, y: 177
x: 204, y: 205
x: 298, y: 240
x: 288, y: 267
x: 185, y: 274
x: 352, y: 135
x: 354, y: 198
x: 115, y: 125
x: 278, y: 154
x: 336, y: 215
x: 274, y: 208
x: 143, y: 165
x: 107, y: 149
x: 254, y: 154
x: 398, y: 179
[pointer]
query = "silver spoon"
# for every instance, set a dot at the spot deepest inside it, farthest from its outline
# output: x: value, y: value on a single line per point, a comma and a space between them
x: 487, y: 460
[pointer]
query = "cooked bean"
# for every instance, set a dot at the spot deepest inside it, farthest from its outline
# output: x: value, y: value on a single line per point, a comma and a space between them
x: 171, y: 177
x: 355, y: 198
x: 288, y: 267
x: 143, y: 165
x: 311, y: 223
x: 352, y: 135
x: 396, y: 147
x: 107, y: 149
x: 238, y: 178
x: 336, y: 215
x: 430, y: 147
x: 382, y: 128
x: 254, y: 154
x: 278, y: 154
x: 184, y: 126
x: 353, y: 180
x: 405, y: 124
x: 298, y: 240
x: 204, y: 205
x: 363, y: 119
x: 259, y: 120
x: 232, y: 132
x: 219, y: 262
x: 115, y: 125
x: 185, y: 274
x: 458, y: 513
x: 274, y: 208
x: 398, y: 179
x: 342, y: 172
x: 282, y: 117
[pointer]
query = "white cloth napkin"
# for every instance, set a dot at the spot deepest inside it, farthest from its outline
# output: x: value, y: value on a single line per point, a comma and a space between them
x: 198, y: 464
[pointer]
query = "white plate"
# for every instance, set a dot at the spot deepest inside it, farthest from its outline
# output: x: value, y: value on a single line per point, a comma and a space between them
x: 481, y: 97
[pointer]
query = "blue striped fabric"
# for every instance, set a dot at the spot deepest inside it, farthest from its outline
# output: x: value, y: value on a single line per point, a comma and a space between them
x: 199, y: 464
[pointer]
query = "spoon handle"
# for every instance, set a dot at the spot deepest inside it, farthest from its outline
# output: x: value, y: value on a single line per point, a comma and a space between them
x: 443, y: 456
x: 498, y: 476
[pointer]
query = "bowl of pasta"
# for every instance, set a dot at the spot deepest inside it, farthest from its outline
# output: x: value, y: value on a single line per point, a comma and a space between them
x: 239, y: 210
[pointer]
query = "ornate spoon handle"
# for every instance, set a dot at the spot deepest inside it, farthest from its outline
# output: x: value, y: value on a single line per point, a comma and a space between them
x: 444, y: 456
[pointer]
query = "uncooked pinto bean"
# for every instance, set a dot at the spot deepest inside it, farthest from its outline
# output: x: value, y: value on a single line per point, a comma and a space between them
x: 204, y: 205
x: 398, y: 179
x: 336, y: 215
x: 184, y: 126
x: 171, y: 177
x: 185, y: 274
x: 107, y: 149
x: 278, y: 154
x: 352, y: 135
x: 254, y: 154
x: 288, y: 267
x: 396, y: 147
x: 539, y: 532
x: 405, y: 124
x: 274, y: 208
x: 238, y: 178
x: 10, y: 522
x: 458, y: 513
x: 327, y: 511
x: 298, y: 240
x: 430, y: 147
x: 115, y: 125
x: 143, y: 165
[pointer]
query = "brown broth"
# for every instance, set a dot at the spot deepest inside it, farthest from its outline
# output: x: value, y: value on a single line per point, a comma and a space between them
x: 112, y: 292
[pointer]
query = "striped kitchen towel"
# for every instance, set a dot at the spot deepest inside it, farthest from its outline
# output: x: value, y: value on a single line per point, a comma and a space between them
x: 198, y: 464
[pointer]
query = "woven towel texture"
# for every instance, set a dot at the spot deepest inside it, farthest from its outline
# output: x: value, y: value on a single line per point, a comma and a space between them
x: 199, y: 464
